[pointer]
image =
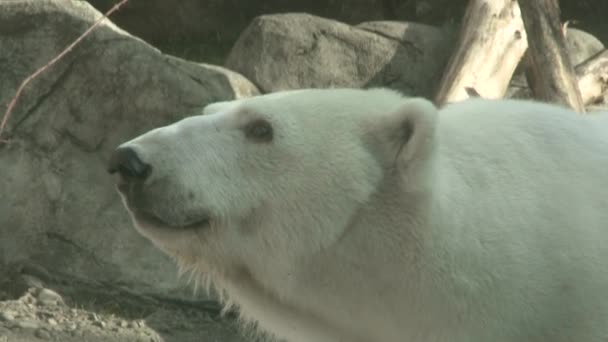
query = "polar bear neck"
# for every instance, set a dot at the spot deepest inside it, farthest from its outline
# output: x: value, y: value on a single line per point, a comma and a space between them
x: 334, y: 281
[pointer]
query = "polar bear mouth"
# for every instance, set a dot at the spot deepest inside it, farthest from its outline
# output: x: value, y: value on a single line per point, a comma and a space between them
x: 201, y: 222
x: 146, y: 217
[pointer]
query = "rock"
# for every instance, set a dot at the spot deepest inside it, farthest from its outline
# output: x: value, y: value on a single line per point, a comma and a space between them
x: 7, y: 316
x: 199, y: 22
x: 214, y: 22
x: 49, y: 297
x: 581, y: 45
x: 428, y: 11
x: 100, y: 324
x: 13, y: 283
x: 59, y: 207
x: 51, y: 322
x: 290, y: 51
x: 28, y: 324
x: 43, y: 334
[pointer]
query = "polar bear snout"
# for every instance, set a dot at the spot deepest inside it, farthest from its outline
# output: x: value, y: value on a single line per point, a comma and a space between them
x: 151, y: 200
x: 132, y: 173
x: 126, y: 162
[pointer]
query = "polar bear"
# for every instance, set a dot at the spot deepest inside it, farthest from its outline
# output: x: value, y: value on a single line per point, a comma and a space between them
x: 361, y: 215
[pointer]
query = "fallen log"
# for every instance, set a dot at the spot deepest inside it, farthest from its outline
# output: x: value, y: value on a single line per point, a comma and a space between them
x: 592, y: 77
x: 549, y: 72
x: 492, y: 41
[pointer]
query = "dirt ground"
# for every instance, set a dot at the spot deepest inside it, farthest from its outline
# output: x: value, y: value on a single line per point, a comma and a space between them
x: 38, y: 306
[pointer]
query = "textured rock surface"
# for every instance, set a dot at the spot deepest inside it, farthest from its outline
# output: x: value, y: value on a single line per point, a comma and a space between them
x: 290, y: 51
x: 78, y: 310
x: 204, y: 29
x: 161, y: 21
x: 59, y: 207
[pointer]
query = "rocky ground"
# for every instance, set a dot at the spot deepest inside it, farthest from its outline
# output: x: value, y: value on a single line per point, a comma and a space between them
x: 36, y: 305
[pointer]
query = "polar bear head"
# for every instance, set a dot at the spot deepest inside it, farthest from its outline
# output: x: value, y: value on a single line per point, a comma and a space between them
x: 274, y: 177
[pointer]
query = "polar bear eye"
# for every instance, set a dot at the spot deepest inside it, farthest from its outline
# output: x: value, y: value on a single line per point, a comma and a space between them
x: 259, y: 130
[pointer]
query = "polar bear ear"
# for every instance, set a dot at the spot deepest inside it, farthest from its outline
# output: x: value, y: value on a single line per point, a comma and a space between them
x: 407, y: 134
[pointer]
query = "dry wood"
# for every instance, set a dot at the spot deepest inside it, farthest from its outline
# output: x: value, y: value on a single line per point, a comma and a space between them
x: 592, y: 77
x: 492, y: 41
x: 549, y: 71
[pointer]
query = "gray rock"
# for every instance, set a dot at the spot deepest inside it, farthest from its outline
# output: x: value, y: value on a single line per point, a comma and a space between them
x: 290, y: 51
x: 7, y: 316
x: 581, y: 45
x: 43, y: 334
x: 59, y: 206
x: 211, y: 22
x: 100, y: 324
x: 49, y: 297
x: 28, y: 324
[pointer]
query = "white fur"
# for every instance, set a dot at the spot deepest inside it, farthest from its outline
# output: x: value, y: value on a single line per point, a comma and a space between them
x: 371, y: 217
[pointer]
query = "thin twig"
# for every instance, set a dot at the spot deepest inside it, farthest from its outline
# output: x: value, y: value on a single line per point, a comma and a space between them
x: 25, y: 82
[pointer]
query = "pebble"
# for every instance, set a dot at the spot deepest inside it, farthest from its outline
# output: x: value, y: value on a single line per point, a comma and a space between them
x: 123, y: 323
x: 28, y: 299
x: 100, y: 324
x: 27, y: 324
x: 51, y: 321
x: 7, y: 316
x: 43, y: 334
x: 49, y: 297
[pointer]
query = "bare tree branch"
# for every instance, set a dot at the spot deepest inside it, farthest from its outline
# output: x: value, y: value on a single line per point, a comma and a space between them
x: 549, y: 71
x: 13, y: 102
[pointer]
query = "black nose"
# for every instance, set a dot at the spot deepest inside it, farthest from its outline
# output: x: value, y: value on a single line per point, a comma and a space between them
x: 127, y: 163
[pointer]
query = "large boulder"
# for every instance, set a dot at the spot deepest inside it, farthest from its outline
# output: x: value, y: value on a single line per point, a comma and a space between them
x: 290, y: 51
x: 209, y: 22
x: 161, y: 21
x: 58, y: 207
x: 196, y: 28
x: 581, y: 45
